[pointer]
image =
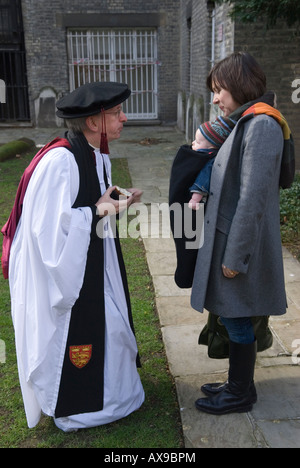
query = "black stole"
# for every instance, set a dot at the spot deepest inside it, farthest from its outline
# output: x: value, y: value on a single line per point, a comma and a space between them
x: 81, y: 386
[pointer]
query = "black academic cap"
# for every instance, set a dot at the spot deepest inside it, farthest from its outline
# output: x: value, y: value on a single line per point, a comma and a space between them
x: 91, y: 99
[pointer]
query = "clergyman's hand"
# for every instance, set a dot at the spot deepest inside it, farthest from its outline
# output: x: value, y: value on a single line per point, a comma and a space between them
x: 108, y: 206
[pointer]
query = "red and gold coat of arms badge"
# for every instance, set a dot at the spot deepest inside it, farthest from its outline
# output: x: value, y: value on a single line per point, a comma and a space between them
x: 80, y: 355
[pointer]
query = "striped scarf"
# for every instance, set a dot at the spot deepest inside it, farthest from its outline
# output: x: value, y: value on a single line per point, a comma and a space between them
x: 262, y: 106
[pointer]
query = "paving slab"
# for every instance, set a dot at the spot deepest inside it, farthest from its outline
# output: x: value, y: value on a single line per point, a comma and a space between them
x: 176, y: 310
x: 208, y: 431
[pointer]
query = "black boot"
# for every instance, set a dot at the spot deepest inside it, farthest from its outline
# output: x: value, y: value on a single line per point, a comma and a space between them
x: 212, y: 389
x: 236, y: 396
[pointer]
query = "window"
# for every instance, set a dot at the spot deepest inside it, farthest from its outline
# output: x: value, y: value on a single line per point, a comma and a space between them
x: 125, y: 55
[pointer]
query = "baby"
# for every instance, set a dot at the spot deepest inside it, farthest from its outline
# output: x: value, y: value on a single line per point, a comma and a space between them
x: 208, y: 140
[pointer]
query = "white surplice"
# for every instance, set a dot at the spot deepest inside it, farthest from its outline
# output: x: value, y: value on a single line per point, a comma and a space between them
x: 47, y: 265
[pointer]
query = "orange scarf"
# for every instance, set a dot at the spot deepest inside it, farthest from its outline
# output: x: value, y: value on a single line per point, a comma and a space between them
x: 262, y: 108
x: 259, y: 107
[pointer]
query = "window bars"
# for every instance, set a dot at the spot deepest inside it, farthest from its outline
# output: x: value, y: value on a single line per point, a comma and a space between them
x: 123, y: 55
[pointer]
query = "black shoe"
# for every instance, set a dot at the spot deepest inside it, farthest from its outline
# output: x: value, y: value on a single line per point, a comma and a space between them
x: 237, y: 396
x: 212, y: 389
x: 224, y: 403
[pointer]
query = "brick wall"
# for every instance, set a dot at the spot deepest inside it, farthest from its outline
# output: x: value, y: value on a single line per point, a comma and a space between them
x: 45, y: 43
x: 194, y: 97
x: 184, y: 51
x: 278, y: 52
x: 200, y: 51
x: 224, y: 33
x: 45, y: 25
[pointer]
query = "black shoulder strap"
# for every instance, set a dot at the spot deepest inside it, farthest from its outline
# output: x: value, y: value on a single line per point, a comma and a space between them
x: 89, y: 188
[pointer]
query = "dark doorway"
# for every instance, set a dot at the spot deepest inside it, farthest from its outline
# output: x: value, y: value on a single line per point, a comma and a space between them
x: 13, y: 63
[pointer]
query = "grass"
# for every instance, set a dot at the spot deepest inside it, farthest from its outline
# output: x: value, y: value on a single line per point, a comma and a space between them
x: 157, y: 424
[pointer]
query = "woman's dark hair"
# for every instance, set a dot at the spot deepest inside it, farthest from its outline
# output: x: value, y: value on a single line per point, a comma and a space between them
x: 241, y: 75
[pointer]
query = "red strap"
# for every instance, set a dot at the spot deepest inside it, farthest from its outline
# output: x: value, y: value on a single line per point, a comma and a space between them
x: 10, y: 227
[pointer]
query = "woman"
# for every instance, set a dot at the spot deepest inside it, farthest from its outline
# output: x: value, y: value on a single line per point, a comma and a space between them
x: 239, y: 270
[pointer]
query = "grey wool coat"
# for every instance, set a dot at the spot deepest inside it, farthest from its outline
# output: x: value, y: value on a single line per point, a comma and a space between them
x: 242, y: 226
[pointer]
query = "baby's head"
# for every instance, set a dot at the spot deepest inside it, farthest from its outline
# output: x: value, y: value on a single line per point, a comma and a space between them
x: 213, y: 134
x: 201, y: 142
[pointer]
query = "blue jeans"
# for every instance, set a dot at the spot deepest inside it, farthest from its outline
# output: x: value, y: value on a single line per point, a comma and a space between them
x: 240, y: 330
x: 202, y: 183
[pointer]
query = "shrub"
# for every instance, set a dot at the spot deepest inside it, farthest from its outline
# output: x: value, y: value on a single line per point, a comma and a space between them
x: 290, y: 215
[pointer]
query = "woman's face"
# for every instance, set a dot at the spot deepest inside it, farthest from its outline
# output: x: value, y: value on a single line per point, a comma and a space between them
x: 224, y: 100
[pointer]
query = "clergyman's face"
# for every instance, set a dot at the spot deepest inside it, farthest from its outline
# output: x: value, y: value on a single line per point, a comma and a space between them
x: 114, y: 119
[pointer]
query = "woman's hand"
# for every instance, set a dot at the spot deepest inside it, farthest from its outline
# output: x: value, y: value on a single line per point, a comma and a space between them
x: 229, y: 273
x: 136, y: 195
